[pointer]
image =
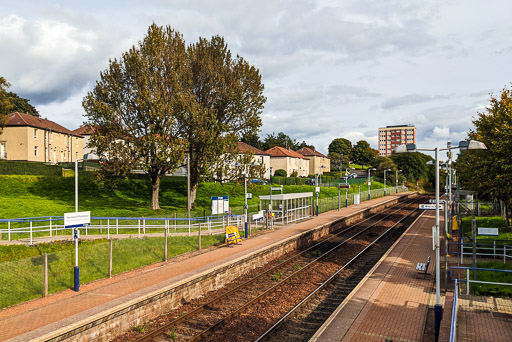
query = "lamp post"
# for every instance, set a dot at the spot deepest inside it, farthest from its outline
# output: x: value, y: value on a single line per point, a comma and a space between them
x: 370, y: 183
x: 76, y: 232
x: 463, y: 145
x: 385, y: 180
x: 317, y: 186
x: 246, y: 206
x: 396, y: 183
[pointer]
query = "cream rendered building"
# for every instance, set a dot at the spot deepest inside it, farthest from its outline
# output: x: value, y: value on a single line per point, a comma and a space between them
x: 318, y: 162
x: 29, y: 138
x: 288, y: 160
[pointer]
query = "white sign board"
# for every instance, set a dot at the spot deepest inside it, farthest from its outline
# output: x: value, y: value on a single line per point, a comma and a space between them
x: 488, y: 231
x: 433, y: 201
x: 79, y: 219
x: 430, y: 206
x: 220, y: 205
x: 369, y: 183
x: 357, y: 199
x: 317, y: 189
x: 249, y: 195
x: 258, y: 216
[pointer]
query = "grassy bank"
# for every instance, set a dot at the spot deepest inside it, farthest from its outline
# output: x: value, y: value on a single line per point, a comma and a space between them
x: 31, y: 196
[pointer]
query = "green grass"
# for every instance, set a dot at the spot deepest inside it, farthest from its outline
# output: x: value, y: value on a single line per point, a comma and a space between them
x: 21, y: 278
x: 505, y: 233
x: 499, y: 277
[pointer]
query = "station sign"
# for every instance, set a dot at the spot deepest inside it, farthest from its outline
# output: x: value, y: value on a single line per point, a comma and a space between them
x: 430, y: 206
x: 77, y: 219
x: 344, y: 186
x: 433, y: 201
x: 488, y: 231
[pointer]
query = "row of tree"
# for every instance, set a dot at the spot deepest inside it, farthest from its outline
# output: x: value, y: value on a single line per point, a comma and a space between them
x: 341, y: 152
x: 163, y: 98
x: 11, y: 102
x: 489, y: 172
x: 272, y: 140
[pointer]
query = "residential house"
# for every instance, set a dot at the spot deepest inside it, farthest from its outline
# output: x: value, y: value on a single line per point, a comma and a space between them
x: 259, y: 157
x: 29, y: 138
x: 318, y: 162
x: 86, y: 132
x: 288, y: 160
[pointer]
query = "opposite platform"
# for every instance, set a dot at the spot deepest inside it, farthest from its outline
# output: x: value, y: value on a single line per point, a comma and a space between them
x: 391, y: 303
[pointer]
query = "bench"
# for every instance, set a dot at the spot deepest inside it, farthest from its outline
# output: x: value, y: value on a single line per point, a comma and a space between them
x: 422, y: 267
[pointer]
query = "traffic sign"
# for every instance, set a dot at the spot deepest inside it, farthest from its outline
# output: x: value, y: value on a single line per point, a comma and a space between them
x: 77, y: 219
x: 76, y: 234
x: 430, y: 206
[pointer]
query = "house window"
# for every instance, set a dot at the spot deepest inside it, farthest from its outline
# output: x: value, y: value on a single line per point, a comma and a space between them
x: 76, y: 142
x: 35, y: 151
x: 35, y: 133
x: 3, y: 151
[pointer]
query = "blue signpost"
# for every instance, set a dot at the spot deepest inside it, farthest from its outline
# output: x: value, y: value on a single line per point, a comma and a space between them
x: 75, y: 220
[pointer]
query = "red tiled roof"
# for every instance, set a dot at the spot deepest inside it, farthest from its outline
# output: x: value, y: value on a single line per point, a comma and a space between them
x: 84, y: 130
x: 20, y: 119
x: 243, y: 147
x: 278, y: 151
x: 306, y: 151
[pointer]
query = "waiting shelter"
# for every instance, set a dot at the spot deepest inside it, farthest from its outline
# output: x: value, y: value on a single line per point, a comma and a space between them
x: 288, y: 207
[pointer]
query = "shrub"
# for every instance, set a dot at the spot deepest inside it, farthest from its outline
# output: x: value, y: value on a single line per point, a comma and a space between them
x: 280, y: 173
x: 29, y: 168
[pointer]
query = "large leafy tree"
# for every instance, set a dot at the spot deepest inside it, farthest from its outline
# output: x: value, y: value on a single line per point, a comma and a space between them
x: 340, y: 151
x: 362, y: 153
x: 490, y: 171
x: 283, y: 140
x: 22, y: 105
x: 135, y: 106
x: 414, y: 165
x: 228, y: 100
x: 5, y: 103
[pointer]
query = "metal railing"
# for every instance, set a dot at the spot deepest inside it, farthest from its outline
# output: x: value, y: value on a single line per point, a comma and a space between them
x: 469, y: 281
x: 455, y: 312
x: 486, y: 249
x: 32, y: 227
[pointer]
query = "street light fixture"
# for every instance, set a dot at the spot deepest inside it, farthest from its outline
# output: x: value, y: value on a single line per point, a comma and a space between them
x: 463, y: 145
x: 385, y: 180
x: 369, y: 182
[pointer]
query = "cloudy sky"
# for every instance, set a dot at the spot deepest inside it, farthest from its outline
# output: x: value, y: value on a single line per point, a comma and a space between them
x: 331, y: 69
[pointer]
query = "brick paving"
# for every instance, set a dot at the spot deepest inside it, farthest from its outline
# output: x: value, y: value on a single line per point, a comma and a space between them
x: 392, y: 303
x: 42, y: 316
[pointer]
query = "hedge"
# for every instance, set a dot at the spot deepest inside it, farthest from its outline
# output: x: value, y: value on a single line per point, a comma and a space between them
x: 29, y: 168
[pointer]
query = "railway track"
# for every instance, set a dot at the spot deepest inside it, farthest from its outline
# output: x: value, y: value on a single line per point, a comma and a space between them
x: 246, y: 312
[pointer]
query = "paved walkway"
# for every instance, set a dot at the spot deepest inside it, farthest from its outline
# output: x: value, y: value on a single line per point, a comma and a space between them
x: 35, y: 319
x: 391, y: 305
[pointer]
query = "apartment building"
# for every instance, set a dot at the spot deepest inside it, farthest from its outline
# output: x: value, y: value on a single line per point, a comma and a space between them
x: 392, y: 136
x: 29, y: 138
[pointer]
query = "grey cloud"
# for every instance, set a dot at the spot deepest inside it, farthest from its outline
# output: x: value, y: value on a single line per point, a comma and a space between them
x: 407, y: 100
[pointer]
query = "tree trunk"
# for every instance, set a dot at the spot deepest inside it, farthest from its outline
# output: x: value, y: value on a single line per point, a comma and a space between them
x: 193, y: 193
x: 155, y: 187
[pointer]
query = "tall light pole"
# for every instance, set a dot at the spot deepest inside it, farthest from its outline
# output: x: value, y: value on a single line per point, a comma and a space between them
x: 246, y: 206
x: 396, y: 183
x: 463, y: 145
x: 385, y: 180
x: 370, y: 183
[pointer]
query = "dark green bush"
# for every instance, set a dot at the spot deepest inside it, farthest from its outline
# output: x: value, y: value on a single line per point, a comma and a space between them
x: 29, y: 168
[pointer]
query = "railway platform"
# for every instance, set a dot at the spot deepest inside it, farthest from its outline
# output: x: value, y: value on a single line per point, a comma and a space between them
x: 43, y: 319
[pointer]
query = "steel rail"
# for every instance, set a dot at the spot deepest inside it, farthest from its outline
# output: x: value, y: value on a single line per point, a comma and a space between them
x: 178, y: 320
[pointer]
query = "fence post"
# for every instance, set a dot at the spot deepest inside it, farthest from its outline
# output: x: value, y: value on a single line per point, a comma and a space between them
x: 50, y: 226
x: 189, y: 226
x: 143, y: 225
x: 461, y: 251
x: 468, y: 280
x: 110, y: 247
x: 199, y: 237
x: 117, y: 226
x: 504, y: 253
x: 108, y: 228
x: 174, y: 221
x: 165, y: 245
x: 31, y: 233
x: 9, y: 230
x: 138, y: 227
x: 45, y: 276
